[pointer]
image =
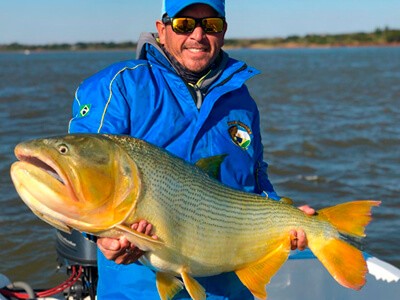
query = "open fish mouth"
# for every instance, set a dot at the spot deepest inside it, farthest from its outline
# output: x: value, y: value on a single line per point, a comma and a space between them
x: 43, y: 188
x: 41, y: 180
x: 41, y: 168
x: 34, y: 161
x: 48, y: 185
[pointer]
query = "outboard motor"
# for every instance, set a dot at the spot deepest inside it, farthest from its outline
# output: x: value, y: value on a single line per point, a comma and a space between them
x: 76, y: 252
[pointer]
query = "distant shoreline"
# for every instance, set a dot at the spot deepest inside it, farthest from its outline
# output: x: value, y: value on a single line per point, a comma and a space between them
x: 28, y: 51
x: 379, y: 38
x: 312, y: 46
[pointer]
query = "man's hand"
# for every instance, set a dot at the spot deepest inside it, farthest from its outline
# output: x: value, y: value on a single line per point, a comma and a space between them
x: 121, y: 251
x: 298, y: 238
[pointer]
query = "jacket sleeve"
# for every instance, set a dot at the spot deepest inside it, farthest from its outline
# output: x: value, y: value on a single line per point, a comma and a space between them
x: 264, y: 186
x: 100, y: 104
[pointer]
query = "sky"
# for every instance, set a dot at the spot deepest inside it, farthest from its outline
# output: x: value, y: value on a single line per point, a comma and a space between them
x: 71, y: 21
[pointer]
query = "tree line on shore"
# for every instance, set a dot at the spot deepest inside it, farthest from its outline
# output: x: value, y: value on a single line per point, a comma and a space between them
x: 379, y: 37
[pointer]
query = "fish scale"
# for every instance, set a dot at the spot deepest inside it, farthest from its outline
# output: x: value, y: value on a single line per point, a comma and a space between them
x: 232, y: 212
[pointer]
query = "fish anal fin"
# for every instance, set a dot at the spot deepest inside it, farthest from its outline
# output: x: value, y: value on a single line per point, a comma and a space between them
x: 211, y: 165
x: 257, y: 275
x: 167, y: 285
x: 195, y: 290
x: 349, y: 218
x: 343, y: 261
x: 140, y: 240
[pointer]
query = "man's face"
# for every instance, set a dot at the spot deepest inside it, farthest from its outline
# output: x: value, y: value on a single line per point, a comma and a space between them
x: 196, y: 51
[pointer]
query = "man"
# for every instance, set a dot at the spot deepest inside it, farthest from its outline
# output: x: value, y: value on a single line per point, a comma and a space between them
x: 184, y: 94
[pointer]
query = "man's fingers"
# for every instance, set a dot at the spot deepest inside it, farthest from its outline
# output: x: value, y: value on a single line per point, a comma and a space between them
x: 298, y: 240
x: 307, y: 209
x: 301, y: 240
x: 148, y: 229
x: 144, y: 227
x: 141, y: 226
x: 111, y: 248
x: 293, y: 239
x: 121, y: 251
x: 109, y: 244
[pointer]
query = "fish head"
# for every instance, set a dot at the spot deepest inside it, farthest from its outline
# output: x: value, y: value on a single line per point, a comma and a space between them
x: 85, y: 182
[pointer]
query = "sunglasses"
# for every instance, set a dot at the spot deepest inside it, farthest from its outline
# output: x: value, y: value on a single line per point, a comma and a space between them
x: 187, y: 24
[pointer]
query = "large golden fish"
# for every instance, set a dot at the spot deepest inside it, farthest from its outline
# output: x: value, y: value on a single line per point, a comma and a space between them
x: 101, y: 184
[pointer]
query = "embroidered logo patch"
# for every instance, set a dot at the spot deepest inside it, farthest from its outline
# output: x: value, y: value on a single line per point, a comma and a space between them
x: 84, y: 110
x: 240, y: 134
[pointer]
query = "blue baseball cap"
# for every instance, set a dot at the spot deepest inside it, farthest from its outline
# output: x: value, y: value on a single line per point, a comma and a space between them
x: 172, y: 7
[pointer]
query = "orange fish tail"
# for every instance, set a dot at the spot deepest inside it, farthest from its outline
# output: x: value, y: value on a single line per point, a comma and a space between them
x: 343, y: 261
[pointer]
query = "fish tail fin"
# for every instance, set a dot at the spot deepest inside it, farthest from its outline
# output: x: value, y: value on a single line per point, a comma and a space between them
x: 349, y: 218
x: 344, y: 262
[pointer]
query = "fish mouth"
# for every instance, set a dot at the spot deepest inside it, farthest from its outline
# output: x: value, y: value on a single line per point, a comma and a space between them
x: 90, y: 194
x: 45, y: 169
x: 49, y: 185
x: 48, y: 168
x: 44, y: 187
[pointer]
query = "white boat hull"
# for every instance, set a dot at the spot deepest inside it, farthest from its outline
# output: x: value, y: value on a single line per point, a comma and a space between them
x: 304, y: 277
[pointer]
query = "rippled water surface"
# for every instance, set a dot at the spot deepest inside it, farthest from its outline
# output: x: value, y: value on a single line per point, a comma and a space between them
x: 330, y: 125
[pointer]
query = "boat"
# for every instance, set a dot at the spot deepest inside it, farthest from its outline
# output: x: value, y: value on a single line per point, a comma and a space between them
x: 304, y: 277
x: 301, y: 277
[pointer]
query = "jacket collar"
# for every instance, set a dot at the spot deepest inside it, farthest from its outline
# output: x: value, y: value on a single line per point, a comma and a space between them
x: 149, y: 49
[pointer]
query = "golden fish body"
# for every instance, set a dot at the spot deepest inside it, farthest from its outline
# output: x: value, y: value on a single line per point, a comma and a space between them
x: 104, y: 183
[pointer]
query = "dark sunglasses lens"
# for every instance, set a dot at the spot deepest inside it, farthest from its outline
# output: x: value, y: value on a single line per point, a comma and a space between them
x: 212, y: 25
x: 187, y: 25
x: 183, y: 25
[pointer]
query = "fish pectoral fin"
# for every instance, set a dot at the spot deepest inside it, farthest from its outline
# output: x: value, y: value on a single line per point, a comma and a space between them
x: 167, y: 285
x: 140, y: 240
x: 53, y: 222
x: 195, y: 290
x: 257, y: 275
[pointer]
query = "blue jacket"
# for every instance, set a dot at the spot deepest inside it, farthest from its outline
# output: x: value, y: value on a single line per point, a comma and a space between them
x: 146, y: 98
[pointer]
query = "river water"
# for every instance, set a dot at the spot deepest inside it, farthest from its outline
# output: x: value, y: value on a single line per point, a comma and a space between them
x: 330, y: 126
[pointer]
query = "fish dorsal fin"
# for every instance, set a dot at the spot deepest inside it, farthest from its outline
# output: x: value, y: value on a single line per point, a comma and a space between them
x: 211, y: 165
x: 257, y: 275
x: 140, y: 240
x: 195, y: 290
x: 167, y: 285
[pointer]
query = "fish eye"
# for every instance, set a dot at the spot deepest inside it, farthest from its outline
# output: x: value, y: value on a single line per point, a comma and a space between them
x: 63, y: 149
